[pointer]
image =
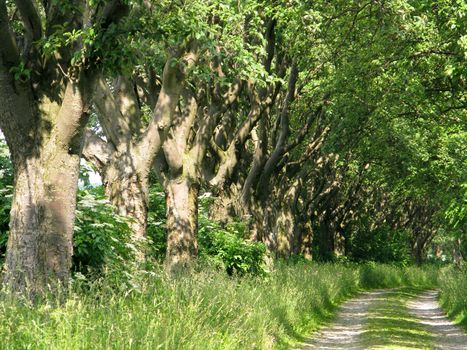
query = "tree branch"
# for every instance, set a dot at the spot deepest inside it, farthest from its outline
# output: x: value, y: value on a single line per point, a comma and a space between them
x: 30, y: 18
x: 8, y: 48
x: 172, y: 83
x: 276, y: 155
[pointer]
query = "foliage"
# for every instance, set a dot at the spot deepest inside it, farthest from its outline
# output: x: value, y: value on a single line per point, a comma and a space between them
x: 384, y: 245
x: 100, y: 237
x: 156, y: 231
x: 226, y: 247
x: 6, y: 192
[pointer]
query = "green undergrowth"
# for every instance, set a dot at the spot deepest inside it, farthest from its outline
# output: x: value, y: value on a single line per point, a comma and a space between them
x: 391, y: 326
x: 206, y: 310
x: 453, y: 294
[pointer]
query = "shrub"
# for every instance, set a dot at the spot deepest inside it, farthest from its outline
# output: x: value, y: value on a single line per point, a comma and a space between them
x: 6, y: 193
x: 226, y: 247
x: 100, y: 236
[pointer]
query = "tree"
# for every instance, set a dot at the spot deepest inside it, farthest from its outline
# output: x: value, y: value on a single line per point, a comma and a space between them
x: 48, y: 60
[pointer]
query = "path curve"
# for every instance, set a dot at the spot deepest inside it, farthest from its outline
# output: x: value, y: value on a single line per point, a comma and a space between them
x: 426, y: 309
x: 344, y: 332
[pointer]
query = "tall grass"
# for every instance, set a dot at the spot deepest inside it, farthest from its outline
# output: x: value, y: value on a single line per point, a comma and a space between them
x: 207, y: 310
x: 453, y: 294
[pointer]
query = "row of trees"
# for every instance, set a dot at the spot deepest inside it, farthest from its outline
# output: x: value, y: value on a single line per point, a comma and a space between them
x: 313, y: 122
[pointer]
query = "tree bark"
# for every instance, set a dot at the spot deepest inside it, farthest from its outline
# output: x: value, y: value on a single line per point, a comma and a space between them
x: 182, y: 222
x: 40, y: 243
x: 306, y: 240
x: 128, y: 191
x: 224, y: 208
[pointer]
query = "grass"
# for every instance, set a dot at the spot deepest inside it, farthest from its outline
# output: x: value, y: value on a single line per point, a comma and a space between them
x: 453, y: 294
x: 208, y: 310
x: 391, y: 326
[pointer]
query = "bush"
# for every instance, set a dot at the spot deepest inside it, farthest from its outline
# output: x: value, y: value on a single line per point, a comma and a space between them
x: 100, y: 236
x: 226, y: 247
x: 6, y: 193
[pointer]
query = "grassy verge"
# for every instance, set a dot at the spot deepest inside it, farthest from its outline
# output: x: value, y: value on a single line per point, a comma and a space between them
x: 453, y: 294
x: 209, y: 310
x: 391, y: 326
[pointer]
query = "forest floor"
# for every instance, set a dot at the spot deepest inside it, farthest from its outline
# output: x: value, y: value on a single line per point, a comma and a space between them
x: 402, y: 318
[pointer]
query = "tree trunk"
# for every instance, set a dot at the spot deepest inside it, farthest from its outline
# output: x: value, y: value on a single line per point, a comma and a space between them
x: 40, y: 243
x: 182, y: 222
x: 325, y: 243
x: 285, y: 230
x: 306, y: 240
x: 339, y: 242
x: 417, y: 252
x: 129, y: 194
x: 224, y: 207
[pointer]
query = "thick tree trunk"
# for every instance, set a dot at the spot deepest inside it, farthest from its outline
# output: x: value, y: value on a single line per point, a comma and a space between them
x: 124, y: 178
x: 306, y: 240
x: 182, y: 222
x: 262, y: 225
x: 45, y: 141
x: 40, y: 243
x: 285, y: 231
x: 129, y: 194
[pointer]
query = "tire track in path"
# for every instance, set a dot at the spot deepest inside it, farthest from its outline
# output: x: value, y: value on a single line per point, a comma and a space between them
x: 426, y: 309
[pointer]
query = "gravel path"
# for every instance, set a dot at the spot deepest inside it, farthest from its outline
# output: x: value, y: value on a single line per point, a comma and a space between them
x: 344, y: 332
x: 426, y: 309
